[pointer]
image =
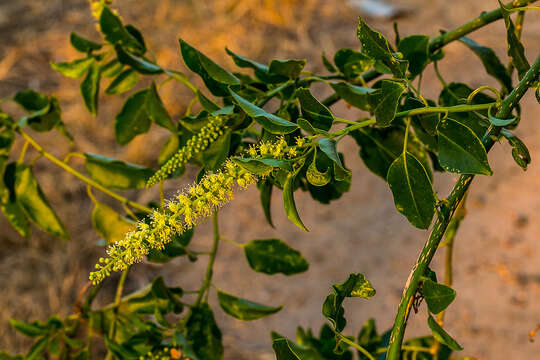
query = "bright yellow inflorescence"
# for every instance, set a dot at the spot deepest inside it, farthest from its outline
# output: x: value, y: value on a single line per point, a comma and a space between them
x: 186, y: 210
x: 97, y: 7
x: 199, y: 142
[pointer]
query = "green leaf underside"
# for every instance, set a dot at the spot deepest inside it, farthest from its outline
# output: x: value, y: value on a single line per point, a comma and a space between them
x: 288, y: 350
x: 116, y: 174
x: 272, y: 256
x: 411, y: 187
x: 442, y: 336
x: 109, y: 224
x: 133, y: 119
x: 288, y: 200
x: 242, y: 309
x: 90, y: 88
x: 270, y: 122
x: 437, y: 296
x: 460, y: 150
x: 316, y: 113
x: 125, y: 81
x: 384, y: 101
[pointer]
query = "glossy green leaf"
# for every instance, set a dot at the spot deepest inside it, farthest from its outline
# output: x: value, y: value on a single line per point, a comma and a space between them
x: 73, y: 69
x: 355, y: 95
x: 491, y: 61
x: 206, y: 103
x: 29, y: 329
x: 316, y: 113
x: 329, y: 147
x: 437, y: 296
x: 35, y: 204
x: 385, y: 100
x: 441, y: 335
x: 242, y: 309
x: 269, y: 122
x: 218, y: 151
x: 31, y: 100
x: 45, y: 119
x: 156, y: 110
x: 261, y: 71
x: 214, y: 76
x: 203, y: 334
x: 415, y: 50
x: 125, y: 81
x: 411, y: 187
x: 169, y: 148
x: 138, y: 63
x: 109, y: 224
x: 111, y: 26
x: 82, y: 44
x: 272, y: 256
x: 352, y: 63
x: 307, y: 127
x: 288, y: 350
x: 460, y: 150
x: 288, y: 199
x: 316, y: 177
x: 327, y: 64
x: 265, y: 187
x: 90, y: 88
x: 116, y: 174
x: 262, y: 166
x: 133, y: 119
x: 356, y: 285
x: 288, y: 68
x: 11, y: 209
x: 375, y: 45
x: 516, y: 51
x: 111, y: 69
x: 380, y: 147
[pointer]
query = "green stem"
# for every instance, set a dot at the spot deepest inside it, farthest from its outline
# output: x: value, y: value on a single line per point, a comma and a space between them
x: 445, y: 109
x: 446, y: 213
x: 117, y: 300
x: 209, y: 269
x: 355, y: 345
x: 82, y: 177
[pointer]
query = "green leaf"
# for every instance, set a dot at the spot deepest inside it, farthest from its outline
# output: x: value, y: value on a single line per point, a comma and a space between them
x: 203, y: 333
x: 329, y: 147
x: 288, y: 199
x: 520, y: 153
x: 121, y: 352
x: 327, y: 64
x: 116, y: 174
x: 31, y: 100
x: 29, y: 329
x: 460, y: 150
x: 109, y: 224
x: 112, y: 68
x: 516, y: 52
x: 269, y: 122
x: 355, y: 95
x: 265, y: 187
x: 356, y: 285
x: 272, y: 256
x: 214, y: 76
x: 352, y: 63
x: 215, y: 155
x: 206, y: 103
x: 262, y: 166
x: 442, y: 336
x: 83, y: 45
x: 288, y: 350
x: 133, y: 120
x: 37, y: 349
x: 368, y: 339
x: 261, y: 70
x: 242, y: 309
x: 415, y: 50
x: 375, y: 45
x: 307, y: 127
x: 74, y: 69
x: 138, y: 63
x: 176, y: 247
x: 491, y: 61
x: 316, y: 113
x: 90, y: 88
x: 125, y: 81
x: 380, y: 147
x: 438, y: 296
x: 315, y: 177
x: 411, y: 187
x: 169, y: 148
x: 115, y: 33
x: 288, y: 68
x: 12, y: 210
x: 34, y: 203
x: 384, y: 101
x: 156, y: 110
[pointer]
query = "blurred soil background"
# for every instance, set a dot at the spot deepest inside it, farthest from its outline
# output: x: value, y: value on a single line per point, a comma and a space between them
x: 497, y: 276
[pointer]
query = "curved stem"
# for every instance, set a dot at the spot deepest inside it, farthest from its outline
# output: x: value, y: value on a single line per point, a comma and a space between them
x: 209, y: 269
x: 445, y: 215
x: 445, y: 109
x: 82, y: 177
x: 354, y: 345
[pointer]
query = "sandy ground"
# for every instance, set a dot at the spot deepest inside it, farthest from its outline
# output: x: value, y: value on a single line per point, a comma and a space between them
x: 496, y: 259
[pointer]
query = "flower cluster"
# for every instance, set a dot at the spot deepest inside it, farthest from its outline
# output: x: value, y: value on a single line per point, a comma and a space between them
x: 184, y: 212
x: 164, y: 354
x: 199, y: 142
x: 97, y: 7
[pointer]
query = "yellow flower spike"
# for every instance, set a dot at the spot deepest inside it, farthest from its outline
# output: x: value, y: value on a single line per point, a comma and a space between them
x: 199, y: 142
